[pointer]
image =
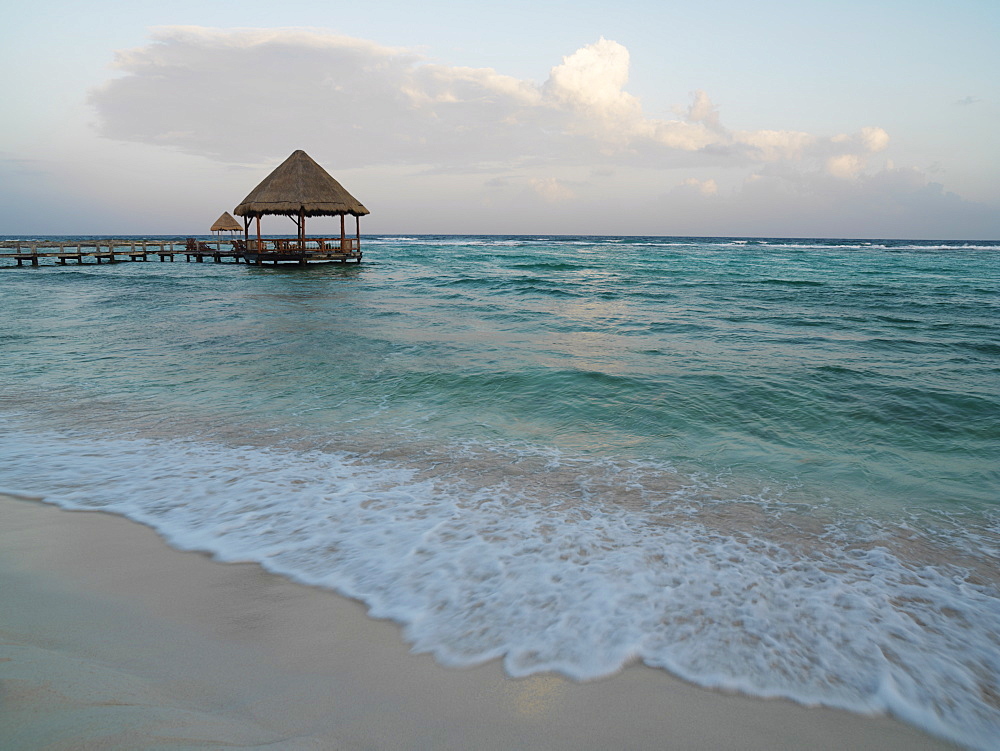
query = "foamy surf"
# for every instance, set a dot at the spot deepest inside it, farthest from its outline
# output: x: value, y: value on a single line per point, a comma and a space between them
x: 579, y: 568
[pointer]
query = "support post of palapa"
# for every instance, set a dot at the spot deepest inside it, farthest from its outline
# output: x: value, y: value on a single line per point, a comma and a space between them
x: 260, y: 250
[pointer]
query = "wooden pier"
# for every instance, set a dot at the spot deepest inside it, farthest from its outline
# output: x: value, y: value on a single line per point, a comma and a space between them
x: 275, y: 251
x: 302, y: 251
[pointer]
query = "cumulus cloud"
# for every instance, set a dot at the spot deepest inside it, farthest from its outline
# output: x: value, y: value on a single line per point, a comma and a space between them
x: 779, y: 200
x: 563, y: 151
x: 551, y: 189
x: 249, y: 96
x: 873, y: 139
x: 845, y: 165
x: 700, y: 187
x: 703, y: 111
x: 592, y: 80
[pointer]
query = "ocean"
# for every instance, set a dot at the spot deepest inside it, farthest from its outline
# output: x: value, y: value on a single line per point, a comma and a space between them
x: 765, y: 465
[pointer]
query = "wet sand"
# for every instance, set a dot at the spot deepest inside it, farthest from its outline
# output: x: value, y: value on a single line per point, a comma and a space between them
x: 109, y: 639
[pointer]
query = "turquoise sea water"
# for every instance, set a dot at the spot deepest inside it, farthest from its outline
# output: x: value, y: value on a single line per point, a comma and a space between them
x: 765, y: 465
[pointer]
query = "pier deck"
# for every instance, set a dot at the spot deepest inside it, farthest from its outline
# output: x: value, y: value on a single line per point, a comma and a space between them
x: 272, y: 251
x: 342, y: 249
x: 98, y: 251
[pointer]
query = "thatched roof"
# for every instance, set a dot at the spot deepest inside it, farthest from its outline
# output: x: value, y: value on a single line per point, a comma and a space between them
x: 300, y: 185
x: 226, y: 223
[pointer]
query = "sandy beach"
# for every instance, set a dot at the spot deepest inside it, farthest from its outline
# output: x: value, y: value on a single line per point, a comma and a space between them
x: 112, y: 640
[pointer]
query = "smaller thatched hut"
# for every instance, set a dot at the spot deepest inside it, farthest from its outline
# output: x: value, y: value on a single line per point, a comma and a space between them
x: 226, y: 223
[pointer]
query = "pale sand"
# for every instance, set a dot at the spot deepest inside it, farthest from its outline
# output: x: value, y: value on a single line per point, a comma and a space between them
x: 111, y: 640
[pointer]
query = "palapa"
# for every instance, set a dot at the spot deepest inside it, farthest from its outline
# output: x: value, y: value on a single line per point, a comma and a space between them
x: 226, y: 223
x: 299, y: 187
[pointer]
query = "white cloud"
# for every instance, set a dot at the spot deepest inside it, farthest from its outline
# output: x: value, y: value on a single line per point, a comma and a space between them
x: 249, y: 96
x: 551, y: 189
x: 575, y: 153
x: 254, y: 96
x: 703, y: 111
x: 701, y: 187
x: 775, y: 145
x: 782, y: 201
x: 850, y: 153
x: 874, y: 139
x: 845, y: 166
x: 592, y: 79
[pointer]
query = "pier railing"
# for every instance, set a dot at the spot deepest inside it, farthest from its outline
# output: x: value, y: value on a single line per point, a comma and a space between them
x: 111, y: 250
x: 309, y: 245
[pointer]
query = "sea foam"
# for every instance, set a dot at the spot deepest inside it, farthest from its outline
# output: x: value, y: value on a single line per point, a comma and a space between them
x: 550, y: 577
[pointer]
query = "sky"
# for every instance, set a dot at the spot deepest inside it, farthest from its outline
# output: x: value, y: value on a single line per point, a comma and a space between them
x: 875, y: 119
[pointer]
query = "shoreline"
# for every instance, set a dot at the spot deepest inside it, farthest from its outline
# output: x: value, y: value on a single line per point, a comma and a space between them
x: 110, y: 637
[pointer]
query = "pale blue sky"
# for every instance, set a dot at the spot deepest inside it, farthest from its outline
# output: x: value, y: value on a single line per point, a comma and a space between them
x: 814, y: 118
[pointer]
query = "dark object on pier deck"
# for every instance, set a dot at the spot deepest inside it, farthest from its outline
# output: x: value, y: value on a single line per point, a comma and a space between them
x: 200, y: 250
x: 298, y: 188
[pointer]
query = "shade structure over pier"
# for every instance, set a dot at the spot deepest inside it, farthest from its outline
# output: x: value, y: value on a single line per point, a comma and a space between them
x: 298, y: 188
x: 226, y: 223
